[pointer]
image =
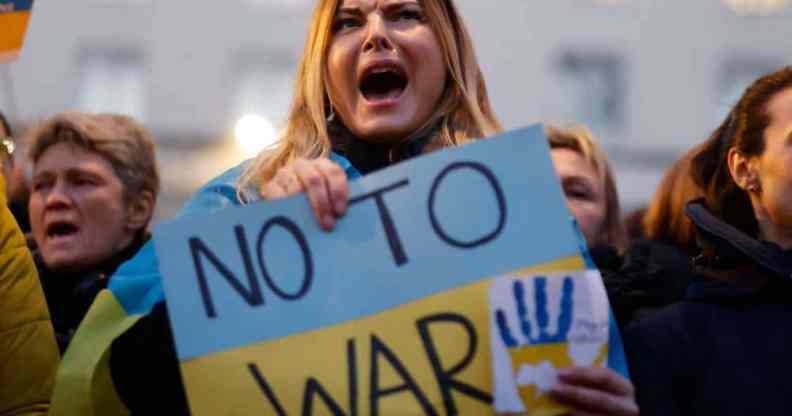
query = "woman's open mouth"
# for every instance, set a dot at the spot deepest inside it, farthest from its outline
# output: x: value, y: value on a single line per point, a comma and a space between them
x: 61, y: 230
x: 383, y: 85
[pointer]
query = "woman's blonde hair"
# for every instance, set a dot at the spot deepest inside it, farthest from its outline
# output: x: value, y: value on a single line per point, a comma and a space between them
x: 464, y: 112
x: 124, y: 142
x: 580, y: 139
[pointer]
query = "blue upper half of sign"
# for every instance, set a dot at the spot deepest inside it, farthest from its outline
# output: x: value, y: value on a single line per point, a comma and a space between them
x: 19, y: 5
x: 501, y: 193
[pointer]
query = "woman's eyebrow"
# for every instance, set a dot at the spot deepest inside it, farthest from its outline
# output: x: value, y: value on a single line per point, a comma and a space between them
x: 575, y: 180
x: 354, y: 10
x: 399, y: 4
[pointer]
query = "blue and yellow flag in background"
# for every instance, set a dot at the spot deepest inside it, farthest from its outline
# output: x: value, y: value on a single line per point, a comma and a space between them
x: 14, y: 17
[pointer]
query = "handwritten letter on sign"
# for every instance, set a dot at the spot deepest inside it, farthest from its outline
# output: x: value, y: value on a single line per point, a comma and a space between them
x: 387, y: 314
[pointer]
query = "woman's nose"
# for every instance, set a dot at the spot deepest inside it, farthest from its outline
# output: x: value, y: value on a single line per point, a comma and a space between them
x: 57, y: 197
x: 378, y: 37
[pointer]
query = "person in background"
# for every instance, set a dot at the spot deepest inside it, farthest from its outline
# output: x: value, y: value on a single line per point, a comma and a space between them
x: 656, y: 269
x: 640, y: 276
x: 590, y: 190
x: 723, y: 350
x: 380, y: 81
x: 17, y: 189
x: 94, y: 186
x: 633, y: 222
x: 28, y: 353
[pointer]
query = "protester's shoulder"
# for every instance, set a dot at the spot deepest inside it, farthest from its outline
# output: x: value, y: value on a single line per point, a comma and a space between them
x: 221, y: 192
x: 671, y: 325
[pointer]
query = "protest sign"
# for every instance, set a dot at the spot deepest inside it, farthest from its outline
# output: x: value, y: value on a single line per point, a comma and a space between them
x: 387, y: 314
x: 14, y: 17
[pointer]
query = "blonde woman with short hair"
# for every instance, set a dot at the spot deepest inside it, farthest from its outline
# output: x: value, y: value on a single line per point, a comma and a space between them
x: 588, y: 184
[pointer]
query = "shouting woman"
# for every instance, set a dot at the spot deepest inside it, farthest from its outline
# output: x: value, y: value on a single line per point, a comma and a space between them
x: 380, y: 81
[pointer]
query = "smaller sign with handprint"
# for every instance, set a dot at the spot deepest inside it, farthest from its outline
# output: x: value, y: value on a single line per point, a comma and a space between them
x: 540, y: 324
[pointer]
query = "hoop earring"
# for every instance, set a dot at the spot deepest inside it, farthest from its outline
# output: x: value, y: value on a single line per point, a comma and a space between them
x: 331, y: 117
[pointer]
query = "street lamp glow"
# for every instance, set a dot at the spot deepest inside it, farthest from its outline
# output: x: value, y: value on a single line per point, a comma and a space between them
x: 254, y: 133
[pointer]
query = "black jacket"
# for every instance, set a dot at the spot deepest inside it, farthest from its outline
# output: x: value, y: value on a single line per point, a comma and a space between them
x: 145, y: 368
x: 70, y: 295
x: 650, y: 276
x: 723, y: 350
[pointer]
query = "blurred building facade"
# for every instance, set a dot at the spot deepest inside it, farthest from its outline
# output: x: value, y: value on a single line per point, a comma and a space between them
x: 651, y: 77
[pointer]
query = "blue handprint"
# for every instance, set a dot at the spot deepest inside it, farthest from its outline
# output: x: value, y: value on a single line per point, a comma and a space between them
x: 542, y: 317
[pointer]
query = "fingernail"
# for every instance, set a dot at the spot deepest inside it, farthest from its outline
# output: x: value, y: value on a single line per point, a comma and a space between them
x: 329, y: 222
x: 340, y: 207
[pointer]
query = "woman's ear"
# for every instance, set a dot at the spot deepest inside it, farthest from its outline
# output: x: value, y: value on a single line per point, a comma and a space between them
x: 140, y: 210
x: 743, y: 170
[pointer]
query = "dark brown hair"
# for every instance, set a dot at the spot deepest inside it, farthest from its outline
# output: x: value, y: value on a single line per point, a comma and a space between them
x: 743, y: 129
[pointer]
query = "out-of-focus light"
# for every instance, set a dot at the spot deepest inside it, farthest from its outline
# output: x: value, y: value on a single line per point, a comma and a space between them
x: 254, y: 133
x: 762, y: 7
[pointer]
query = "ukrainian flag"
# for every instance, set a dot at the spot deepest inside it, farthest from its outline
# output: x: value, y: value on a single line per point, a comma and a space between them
x: 84, y: 386
x: 14, y: 16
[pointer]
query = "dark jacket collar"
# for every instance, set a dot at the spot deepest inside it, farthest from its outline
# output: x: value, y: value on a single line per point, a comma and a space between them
x: 70, y: 295
x: 735, y: 265
x: 369, y: 157
x: 73, y: 280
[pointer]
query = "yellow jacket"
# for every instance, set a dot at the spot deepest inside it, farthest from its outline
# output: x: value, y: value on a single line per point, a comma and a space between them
x: 28, y: 353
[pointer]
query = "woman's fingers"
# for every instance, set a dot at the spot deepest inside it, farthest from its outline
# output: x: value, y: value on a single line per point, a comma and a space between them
x: 273, y: 190
x: 599, y: 378
x: 337, y: 185
x: 584, y: 400
x: 324, y: 182
x: 315, y: 185
x: 595, y: 391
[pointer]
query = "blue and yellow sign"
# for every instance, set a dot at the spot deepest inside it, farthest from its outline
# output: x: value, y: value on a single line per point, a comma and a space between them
x: 387, y: 314
x: 14, y: 17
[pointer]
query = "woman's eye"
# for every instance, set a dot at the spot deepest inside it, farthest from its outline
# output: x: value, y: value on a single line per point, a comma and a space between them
x: 83, y: 182
x: 409, y: 15
x: 577, y: 193
x: 345, y: 23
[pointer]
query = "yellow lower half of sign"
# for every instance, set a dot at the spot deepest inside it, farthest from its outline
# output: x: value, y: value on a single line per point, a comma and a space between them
x: 558, y: 355
x: 13, y: 31
x: 431, y: 356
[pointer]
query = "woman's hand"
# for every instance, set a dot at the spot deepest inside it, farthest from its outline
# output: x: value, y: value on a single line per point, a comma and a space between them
x: 595, y: 391
x: 322, y: 179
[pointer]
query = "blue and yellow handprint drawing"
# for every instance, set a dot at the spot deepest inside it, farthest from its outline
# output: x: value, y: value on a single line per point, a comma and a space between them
x: 536, y: 348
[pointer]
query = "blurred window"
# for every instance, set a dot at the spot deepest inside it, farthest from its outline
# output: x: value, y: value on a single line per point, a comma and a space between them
x: 736, y: 75
x: 112, y: 80
x: 593, y: 88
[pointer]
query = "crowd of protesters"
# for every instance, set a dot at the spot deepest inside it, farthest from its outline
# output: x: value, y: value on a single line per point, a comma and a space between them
x: 700, y: 286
